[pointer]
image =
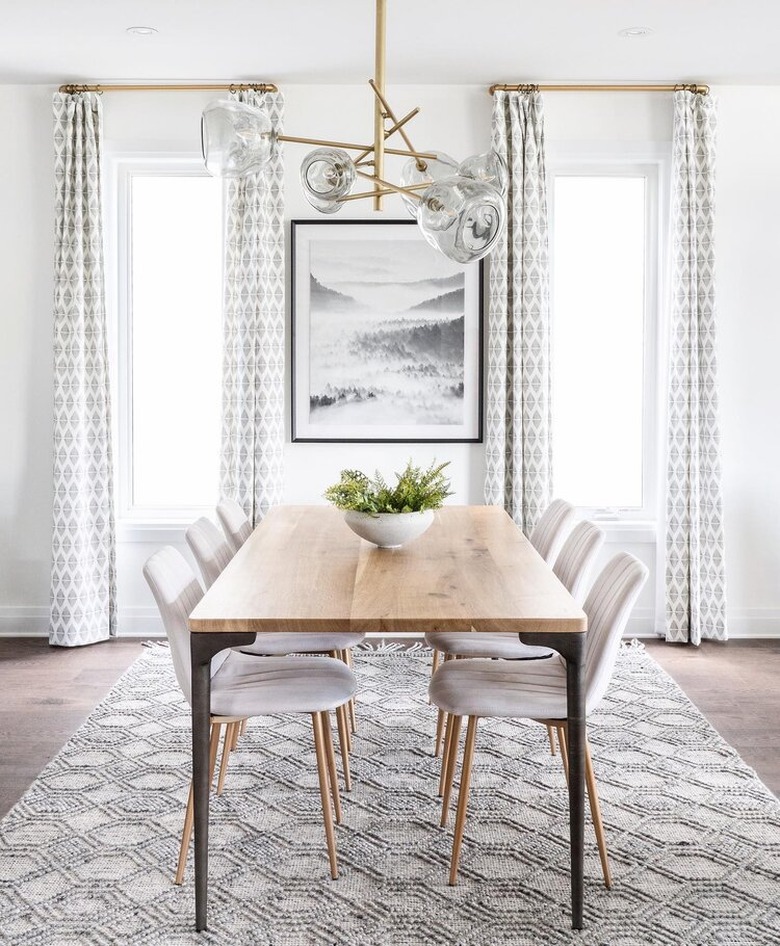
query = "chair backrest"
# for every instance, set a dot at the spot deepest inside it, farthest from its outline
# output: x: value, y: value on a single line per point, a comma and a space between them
x: 608, y: 607
x: 210, y: 548
x: 176, y: 591
x: 548, y: 533
x: 234, y: 522
x: 577, y: 556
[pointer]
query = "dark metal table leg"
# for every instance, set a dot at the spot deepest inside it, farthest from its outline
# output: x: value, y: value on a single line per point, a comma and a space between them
x: 572, y: 648
x: 202, y: 649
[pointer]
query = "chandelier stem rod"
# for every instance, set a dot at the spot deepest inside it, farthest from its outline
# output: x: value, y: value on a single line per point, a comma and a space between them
x: 349, y: 146
x: 393, y: 187
x: 386, y: 192
x: 379, y: 80
x: 390, y: 131
x: 386, y: 106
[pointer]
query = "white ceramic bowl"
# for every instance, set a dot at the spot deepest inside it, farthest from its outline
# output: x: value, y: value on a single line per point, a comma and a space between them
x: 389, y: 530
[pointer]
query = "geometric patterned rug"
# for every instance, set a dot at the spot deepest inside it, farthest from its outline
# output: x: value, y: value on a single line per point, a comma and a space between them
x: 87, y: 856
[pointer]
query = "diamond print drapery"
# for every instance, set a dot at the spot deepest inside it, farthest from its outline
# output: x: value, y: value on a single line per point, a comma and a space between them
x: 695, y: 572
x: 83, y: 578
x: 253, y: 325
x: 518, y: 443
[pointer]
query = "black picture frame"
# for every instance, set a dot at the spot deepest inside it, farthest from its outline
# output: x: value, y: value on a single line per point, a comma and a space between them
x: 383, y: 358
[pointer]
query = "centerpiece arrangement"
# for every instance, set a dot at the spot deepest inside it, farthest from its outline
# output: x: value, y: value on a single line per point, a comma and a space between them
x: 390, y: 516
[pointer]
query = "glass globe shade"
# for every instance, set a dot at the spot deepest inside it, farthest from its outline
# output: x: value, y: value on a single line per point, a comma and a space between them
x: 462, y: 218
x: 327, y: 174
x: 236, y: 138
x: 490, y: 168
x: 434, y: 170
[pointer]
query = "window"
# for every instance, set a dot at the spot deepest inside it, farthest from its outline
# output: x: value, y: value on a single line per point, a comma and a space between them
x: 169, y: 307
x: 604, y: 297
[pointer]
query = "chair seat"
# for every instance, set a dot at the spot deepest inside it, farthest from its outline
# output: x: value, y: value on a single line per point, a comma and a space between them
x: 475, y: 644
x: 253, y: 686
x: 535, y: 689
x: 279, y: 643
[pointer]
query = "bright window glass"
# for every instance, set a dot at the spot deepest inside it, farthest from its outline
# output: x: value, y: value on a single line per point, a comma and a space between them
x: 598, y: 317
x: 174, y: 338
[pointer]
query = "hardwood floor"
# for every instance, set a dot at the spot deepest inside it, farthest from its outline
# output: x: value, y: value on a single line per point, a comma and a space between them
x: 48, y: 692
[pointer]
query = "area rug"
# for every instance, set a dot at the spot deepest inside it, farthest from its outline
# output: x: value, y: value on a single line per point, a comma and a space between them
x: 87, y: 856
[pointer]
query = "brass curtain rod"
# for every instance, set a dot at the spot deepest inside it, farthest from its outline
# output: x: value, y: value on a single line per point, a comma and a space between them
x: 533, y: 87
x: 71, y: 88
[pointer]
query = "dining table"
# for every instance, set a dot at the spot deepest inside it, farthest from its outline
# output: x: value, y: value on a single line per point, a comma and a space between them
x: 303, y: 569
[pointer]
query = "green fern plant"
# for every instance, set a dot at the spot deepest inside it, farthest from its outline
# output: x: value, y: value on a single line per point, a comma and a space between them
x: 415, y: 490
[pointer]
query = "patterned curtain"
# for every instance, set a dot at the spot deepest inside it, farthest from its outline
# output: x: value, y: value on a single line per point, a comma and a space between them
x: 518, y: 443
x: 695, y: 573
x: 253, y: 361
x: 83, y: 577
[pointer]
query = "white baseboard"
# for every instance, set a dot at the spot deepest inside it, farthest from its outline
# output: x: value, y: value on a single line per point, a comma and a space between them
x: 21, y: 621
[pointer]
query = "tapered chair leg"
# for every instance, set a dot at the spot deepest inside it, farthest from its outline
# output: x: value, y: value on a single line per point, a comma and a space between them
x: 463, y: 798
x: 434, y: 661
x: 440, y: 725
x: 551, y: 737
x: 352, y: 714
x: 446, y: 752
x: 595, y: 811
x: 334, y: 781
x: 189, y: 814
x: 345, y: 734
x: 322, y: 772
x: 448, y: 765
x: 341, y: 719
x: 228, y: 744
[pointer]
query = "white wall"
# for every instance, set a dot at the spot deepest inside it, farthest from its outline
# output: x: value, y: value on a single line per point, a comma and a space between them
x: 456, y: 120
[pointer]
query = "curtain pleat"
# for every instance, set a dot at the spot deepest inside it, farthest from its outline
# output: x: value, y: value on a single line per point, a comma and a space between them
x: 518, y: 429
x: 695, y: 569
x: 83, y: 576
x: 251, y: 465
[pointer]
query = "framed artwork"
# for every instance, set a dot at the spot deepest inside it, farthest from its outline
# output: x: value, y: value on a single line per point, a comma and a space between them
x: 386, y: 336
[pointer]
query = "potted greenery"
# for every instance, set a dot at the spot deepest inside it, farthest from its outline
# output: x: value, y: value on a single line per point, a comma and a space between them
x: 388, y: 515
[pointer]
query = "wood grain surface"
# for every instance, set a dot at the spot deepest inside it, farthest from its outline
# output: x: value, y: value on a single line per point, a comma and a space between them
x: 303, y: 569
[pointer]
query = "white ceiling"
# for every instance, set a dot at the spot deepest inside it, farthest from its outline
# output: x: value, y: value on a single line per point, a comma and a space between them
x: 429, y: 41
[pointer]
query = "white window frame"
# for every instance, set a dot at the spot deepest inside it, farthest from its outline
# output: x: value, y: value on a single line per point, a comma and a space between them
x: 653, y: 165
x: 135, y: 523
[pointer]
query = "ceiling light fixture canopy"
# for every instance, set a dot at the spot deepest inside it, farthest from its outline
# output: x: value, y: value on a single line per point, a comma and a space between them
x: 459, y: 207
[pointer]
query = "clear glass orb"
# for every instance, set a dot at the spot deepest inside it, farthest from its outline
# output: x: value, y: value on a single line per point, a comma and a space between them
x: 490, y: 168
x: 427, y: 172
x: 462, y: 218
x: 323, y: 205
x: 326, y: 175
x: 236, y: 138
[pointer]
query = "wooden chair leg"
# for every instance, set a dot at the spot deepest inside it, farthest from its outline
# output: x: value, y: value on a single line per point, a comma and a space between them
x: 434, y: 661
x: 322, y: 773
x: 562, y: 742
x: 334, y: 780
x: 440, y: 727
x: 189, y: 814
x: 595, y: 811
x: 341, y: 719
x: 448, y: 766
x: 551, y: 737
x: 228, y: 744
x: 445, y: 753
x: 463, y: 798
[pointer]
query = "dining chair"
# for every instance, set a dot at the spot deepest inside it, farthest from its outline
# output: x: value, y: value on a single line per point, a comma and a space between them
x: 212, y: 553
x: 572, y: 566
x: 244, y: 686
x: 210, y: 549
x: 235, y: 525
x: 536, y: 690
x: 549, y: 532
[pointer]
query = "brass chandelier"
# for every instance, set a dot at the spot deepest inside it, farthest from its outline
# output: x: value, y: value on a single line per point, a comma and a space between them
x: 459, y: 207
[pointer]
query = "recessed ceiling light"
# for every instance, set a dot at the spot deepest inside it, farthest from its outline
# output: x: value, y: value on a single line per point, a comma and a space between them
x: 141, y: 30
x: 632, y: 32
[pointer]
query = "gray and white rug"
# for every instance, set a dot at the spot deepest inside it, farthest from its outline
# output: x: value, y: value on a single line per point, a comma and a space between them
x: 88, y: 855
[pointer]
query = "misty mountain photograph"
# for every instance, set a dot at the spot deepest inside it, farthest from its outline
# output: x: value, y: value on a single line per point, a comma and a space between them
x: 386, y: 335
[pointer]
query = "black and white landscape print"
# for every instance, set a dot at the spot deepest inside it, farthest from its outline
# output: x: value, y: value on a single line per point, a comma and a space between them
x: 386, y: 340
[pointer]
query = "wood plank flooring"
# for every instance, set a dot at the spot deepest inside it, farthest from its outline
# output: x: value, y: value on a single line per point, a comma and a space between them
x: 48, y: 692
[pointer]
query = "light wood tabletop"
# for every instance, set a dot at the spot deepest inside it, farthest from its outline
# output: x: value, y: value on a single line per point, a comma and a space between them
x: 303, y: 569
